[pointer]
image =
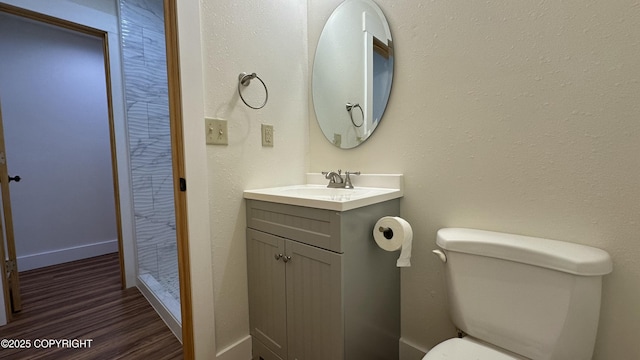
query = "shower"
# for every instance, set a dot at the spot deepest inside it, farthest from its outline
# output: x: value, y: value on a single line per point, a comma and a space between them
x: 147, y: 111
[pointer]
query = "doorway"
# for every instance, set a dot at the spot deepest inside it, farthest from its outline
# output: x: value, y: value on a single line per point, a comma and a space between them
x: 108, y: 33
x: 57, y: 136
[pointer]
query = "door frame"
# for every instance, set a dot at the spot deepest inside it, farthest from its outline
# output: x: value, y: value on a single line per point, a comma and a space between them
x: 179, y: 175
x: 31, y: 15
x: 11, y: 294
x: 177, y: 148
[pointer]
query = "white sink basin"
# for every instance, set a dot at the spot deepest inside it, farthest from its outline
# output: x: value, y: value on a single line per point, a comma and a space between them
x: 323, y: 197
x: 323, y: 192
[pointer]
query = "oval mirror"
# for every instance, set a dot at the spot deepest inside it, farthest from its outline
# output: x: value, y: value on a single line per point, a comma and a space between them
x: 352, y: 73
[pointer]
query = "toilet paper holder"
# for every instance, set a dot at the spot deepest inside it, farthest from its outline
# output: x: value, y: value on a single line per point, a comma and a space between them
x: 393, y: 233
x: 387, y: 232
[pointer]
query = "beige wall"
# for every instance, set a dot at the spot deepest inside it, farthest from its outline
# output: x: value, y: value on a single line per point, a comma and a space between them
x: 517, y: 117
x: 511, y: 116
x: 268, y: 38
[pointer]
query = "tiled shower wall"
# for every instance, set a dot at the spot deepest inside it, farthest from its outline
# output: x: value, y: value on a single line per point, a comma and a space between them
x: 146, y: 94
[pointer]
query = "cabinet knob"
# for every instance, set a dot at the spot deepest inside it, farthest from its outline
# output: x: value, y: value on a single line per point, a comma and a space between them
x: 277, y: 256
x: 286, y: 258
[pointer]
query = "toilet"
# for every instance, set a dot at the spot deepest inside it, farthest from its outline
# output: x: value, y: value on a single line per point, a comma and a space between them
x: 519, y: 297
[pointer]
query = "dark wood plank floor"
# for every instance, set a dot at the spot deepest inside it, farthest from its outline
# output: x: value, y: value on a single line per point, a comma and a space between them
x: 83, y: 300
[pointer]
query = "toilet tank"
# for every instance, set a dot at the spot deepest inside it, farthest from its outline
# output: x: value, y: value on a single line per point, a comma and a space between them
x: 538, y: 298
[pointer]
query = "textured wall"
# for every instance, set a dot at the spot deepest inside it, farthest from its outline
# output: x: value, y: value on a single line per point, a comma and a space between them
x: 268, y: 38
x: 510, y: 116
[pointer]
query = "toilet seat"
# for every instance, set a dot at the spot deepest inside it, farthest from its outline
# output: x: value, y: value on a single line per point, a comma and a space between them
x: 467, y: 348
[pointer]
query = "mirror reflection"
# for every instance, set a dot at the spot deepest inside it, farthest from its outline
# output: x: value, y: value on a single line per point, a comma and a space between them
x: 352, y: 73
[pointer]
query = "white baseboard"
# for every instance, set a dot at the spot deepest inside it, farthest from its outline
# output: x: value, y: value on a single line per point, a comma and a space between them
x: 411, y: 351
x: 240, y: 350
x: 54, y: 257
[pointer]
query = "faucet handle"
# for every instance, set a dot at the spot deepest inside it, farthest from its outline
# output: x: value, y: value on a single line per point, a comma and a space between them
x: 335, y: 178
x: 330, y: 174
x: 347, y: 180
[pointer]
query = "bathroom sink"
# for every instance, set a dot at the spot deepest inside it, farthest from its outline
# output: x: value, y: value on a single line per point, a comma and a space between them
x: 322, y: 197
x: 323, y: 192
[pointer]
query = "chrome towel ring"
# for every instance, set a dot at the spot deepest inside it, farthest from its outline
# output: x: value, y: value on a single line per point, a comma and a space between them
x: 350, y: 107
x: 244, y: 79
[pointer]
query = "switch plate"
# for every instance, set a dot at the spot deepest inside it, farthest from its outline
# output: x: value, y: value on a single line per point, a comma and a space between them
x: 267, y: 135
x: 216, y: 131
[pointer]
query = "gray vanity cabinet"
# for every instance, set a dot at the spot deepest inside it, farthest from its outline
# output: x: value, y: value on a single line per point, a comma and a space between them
x: 267, y: 291
x: 319, y: 286
x: 296, y: 295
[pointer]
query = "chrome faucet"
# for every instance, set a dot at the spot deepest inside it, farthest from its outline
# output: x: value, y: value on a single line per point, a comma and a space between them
x: 336, y: 180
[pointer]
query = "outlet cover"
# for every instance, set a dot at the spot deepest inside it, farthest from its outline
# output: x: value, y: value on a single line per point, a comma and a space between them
x: 337, y: 139
x: 267, y: 135
x: 216, y: 131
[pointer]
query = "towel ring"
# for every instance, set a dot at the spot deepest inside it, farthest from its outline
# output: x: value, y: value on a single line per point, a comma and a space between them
x: 244, y: 79
x: 350, y: 107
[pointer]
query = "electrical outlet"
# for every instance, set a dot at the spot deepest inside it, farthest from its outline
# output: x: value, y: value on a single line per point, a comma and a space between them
x: 216, y: 131
x: 267, y: 135
x: 337, y: 140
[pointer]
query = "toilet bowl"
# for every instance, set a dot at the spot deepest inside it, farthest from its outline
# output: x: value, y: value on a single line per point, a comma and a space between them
x: 466, y: 349
x: 520, y: 297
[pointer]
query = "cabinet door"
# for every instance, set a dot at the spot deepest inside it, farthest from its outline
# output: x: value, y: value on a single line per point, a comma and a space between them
x: 267, y: 296
x: 314, y: 303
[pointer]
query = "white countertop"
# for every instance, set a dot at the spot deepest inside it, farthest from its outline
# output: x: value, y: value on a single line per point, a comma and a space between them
x: 368, y: 189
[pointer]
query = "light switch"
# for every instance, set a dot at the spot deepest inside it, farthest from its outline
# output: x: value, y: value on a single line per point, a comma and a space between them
x: 216, y: 131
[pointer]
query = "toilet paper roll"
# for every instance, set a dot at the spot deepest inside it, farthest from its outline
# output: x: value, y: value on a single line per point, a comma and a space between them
x: 393, y: 233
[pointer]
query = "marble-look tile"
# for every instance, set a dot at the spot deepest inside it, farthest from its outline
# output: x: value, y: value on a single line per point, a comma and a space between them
x: 158, y: 118
x: 146, y: 93
x: 163, y: 201
x: 137, y: 111
x: 150, y: 156
x: 153, y: 236
x: 167, y: 260
x: 155, y: 82
x: 146, y: 231
x: 142, y: 195
x: 132, y: 43
x: 147, y: 12
x: 137, y: 120
x: 148, y: 260
x: 154, y: 45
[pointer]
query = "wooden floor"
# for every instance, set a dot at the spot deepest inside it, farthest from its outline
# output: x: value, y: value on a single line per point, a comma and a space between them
x: 82, y: 300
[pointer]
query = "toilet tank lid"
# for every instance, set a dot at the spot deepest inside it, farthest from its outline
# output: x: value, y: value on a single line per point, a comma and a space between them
x: 552, y: 254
